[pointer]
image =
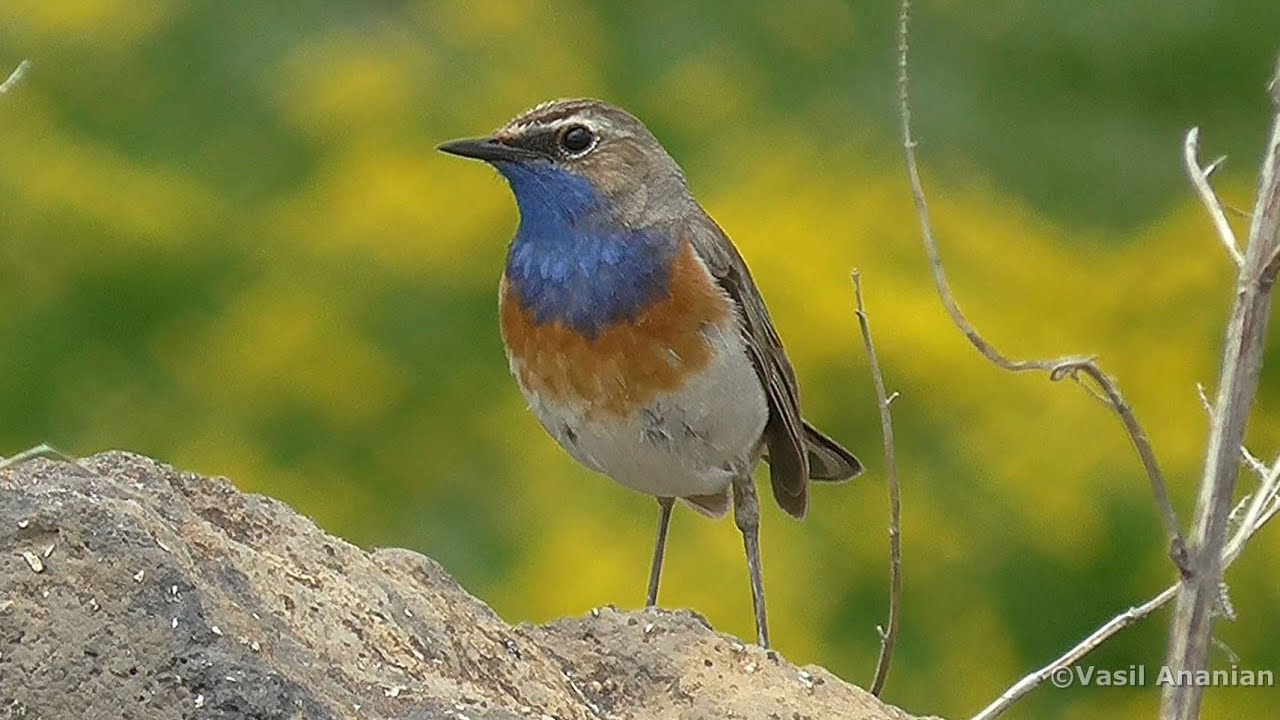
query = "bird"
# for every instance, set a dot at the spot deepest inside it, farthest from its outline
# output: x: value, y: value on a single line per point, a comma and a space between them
x: 636, y: 332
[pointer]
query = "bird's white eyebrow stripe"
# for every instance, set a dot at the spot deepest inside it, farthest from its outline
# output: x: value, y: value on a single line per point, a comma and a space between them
x: 555, y: 114
x: 537, y: 125
x: 553, y: 124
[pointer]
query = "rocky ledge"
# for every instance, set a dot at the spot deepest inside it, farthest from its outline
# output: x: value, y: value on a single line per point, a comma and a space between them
x: 129, y: 589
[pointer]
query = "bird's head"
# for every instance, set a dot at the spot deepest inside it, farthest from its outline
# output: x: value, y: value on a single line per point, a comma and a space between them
x: 576, y: 158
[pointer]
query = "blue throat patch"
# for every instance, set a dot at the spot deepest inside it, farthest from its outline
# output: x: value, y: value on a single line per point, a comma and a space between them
x: 571, y: 262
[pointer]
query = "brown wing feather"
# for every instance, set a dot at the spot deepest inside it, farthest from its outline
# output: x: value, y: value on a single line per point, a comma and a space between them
x: 784, y: 433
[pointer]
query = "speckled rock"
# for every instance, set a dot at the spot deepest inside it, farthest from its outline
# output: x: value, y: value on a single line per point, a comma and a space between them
x: 131, y: 590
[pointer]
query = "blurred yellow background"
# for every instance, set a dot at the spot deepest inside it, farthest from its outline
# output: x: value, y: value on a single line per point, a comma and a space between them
x: 227, y: 241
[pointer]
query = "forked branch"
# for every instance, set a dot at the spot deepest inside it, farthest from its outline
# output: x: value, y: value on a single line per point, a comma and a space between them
x: 1200, y: 180
x: 1242, y: 354
x: 1260, y: 510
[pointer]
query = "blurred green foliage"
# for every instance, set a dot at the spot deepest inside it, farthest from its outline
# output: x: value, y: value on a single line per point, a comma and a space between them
x: 226, y: 241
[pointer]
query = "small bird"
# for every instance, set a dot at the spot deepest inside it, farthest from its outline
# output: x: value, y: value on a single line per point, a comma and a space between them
x: 636, y: 333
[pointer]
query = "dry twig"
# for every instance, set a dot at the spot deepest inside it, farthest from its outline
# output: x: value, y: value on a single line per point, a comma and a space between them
x: 888, y: 634
x: 1201, y: 565
x: 1200, y: 593
x: 15, y: 77
x: 1072, y: 656
x: 1264, y: 507
x: 1256, y: 466
x: 1070, y: 366
x: 1200, y: 179
x: 43, y: 450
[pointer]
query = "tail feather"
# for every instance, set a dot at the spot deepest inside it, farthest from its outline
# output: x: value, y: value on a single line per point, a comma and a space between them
x: 828, y: 461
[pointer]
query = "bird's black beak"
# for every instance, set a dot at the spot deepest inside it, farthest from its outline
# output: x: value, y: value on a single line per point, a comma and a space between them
x: 489, y: 149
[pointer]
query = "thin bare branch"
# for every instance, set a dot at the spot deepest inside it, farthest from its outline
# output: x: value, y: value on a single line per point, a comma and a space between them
x: 1200, y: 179
x: 1243, y: 348
x: 889, y: 635
x: 1250, y: 460
x: 1253, y: 463
x: 15, y: 77
x: 42, y: 450
x: 1204, y: 401
x: 1072, y: 656
x: 1214, y: 167
x: 1069, y: 366
x: 1262, y: 502
x: 1064, y: 662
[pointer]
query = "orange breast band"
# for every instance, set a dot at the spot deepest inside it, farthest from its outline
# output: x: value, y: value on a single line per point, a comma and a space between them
x: 625, y: 366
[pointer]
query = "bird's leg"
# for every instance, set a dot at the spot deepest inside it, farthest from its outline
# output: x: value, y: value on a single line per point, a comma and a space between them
x: 659, y: 549
x: 746, y: 514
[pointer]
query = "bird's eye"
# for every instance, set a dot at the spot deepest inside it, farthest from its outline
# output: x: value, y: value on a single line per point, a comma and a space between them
x: 577, y: 139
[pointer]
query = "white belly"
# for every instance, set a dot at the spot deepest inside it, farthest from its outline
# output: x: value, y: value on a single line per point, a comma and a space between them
x: 691, y: 441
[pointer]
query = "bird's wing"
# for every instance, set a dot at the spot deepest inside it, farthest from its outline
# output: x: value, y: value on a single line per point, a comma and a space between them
x: 784, y: 433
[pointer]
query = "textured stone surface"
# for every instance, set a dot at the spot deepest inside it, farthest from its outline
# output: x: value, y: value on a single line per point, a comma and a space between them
x: 131, y: 590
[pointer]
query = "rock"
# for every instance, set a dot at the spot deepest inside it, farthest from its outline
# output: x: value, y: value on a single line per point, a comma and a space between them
x: 131, y: 590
